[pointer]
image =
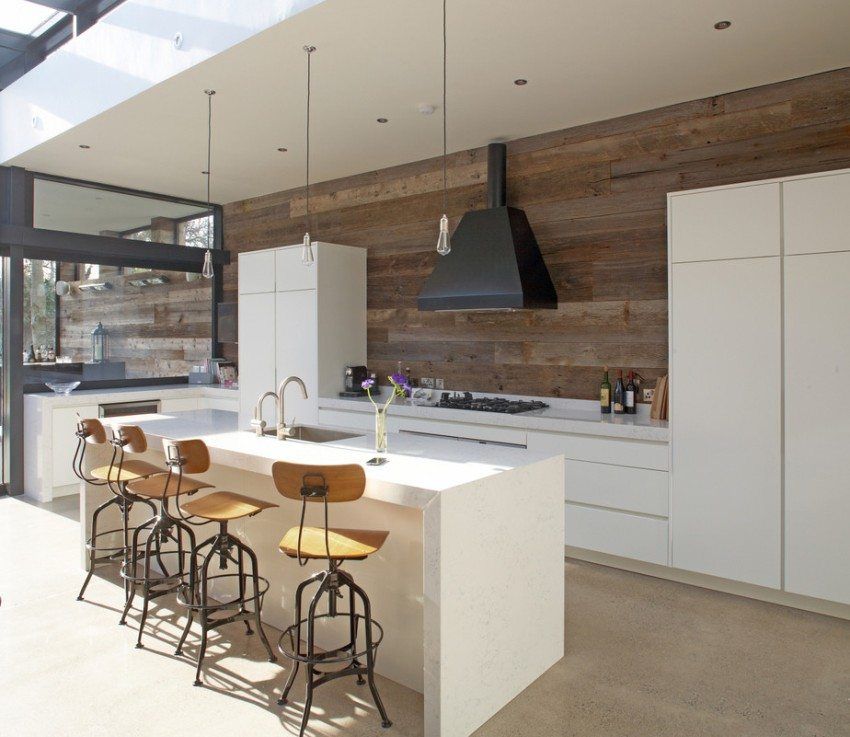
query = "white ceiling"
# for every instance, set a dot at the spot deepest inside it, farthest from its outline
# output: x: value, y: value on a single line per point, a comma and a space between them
x: 585, y: 61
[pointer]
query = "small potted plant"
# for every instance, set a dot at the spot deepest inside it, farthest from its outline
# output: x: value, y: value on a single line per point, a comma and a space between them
x: 400, y: 385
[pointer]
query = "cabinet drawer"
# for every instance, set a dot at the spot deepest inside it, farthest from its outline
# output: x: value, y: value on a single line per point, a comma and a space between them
x: 223, y: 403
x: 180, y: 405
x: 617, y: 452
x: 630, y: 489
x: 256, y: 272
x: 617, y: 533
x: 464, y: 431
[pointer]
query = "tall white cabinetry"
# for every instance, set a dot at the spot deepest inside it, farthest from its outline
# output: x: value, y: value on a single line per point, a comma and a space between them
x: 760, y: 353
x: 725, y: 402
x: 307, y: 321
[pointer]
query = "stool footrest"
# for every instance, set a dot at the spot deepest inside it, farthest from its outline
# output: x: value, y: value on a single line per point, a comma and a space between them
x: 93, y: 544
x: 344, y: 654
x: 134, y: 571
x: 191, y: 597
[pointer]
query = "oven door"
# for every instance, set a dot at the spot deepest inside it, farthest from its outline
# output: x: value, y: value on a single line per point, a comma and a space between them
x: 120, y: 409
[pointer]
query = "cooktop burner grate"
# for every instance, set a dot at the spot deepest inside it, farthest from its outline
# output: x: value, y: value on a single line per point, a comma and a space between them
x: 489, y: 404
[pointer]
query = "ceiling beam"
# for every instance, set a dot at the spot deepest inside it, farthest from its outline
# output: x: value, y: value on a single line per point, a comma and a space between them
x: 57, y: 245
x: 14, y: 41
x: 69, y: 6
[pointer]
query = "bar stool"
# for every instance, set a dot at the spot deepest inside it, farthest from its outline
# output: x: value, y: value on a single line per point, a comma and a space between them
x: 162, y: 530
x: 327, y: 484
x: 92, y: 432
x: 192, y: 456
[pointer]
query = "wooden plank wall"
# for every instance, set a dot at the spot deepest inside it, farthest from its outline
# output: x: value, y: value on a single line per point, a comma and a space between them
x: 157, y: 330
x: 595, y: 197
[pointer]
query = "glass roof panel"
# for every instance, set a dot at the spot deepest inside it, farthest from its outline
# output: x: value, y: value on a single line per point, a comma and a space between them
x: 31, y: 19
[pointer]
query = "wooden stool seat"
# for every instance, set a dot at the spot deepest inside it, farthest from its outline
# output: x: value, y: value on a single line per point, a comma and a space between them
x: 131, y: 470
x: 344, y: 544
x: 222, y: 506
x: 161, y: 487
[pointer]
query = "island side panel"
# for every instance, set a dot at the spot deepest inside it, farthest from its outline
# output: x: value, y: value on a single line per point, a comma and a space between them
x: 501, y: 590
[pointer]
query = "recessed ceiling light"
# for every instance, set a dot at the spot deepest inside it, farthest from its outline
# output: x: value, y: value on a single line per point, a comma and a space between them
x: 520, y: 82
x: 84, y: 145
x: 383, y: 120
x: 283, y: 150
x: 722, y: 25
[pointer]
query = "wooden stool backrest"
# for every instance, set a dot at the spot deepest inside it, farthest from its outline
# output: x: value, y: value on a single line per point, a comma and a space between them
x: 192, y: 456
x: 131, y: 438
x: 344, y: 483
x: 92, y: 431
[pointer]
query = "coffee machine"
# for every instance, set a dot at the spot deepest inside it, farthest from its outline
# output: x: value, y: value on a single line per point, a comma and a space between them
x: 353, y: 378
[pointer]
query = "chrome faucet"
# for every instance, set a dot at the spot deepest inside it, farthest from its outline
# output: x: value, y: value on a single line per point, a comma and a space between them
x: 284, y: 432
x: 258, y: 424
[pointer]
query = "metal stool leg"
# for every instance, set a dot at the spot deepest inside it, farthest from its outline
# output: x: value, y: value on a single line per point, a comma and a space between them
x: 255, y: 576
x: 311, y: 653
x: 202, y: 613
x: 240, y: 563
x: 193, y: 570
x: 370, y: 655
x: 93, y: 551
x: 146, y: 588
x: 297, y: 648
x: 133, y: 559
x: 352, y: 622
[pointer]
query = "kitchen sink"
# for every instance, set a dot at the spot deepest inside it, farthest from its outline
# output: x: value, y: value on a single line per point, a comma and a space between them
x: 311, y: 434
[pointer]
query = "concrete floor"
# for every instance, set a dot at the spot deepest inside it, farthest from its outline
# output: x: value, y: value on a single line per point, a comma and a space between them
x: 644, y: 657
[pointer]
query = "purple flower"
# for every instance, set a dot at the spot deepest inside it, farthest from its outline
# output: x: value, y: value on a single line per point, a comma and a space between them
x: 400, y: 382
x: 368, y: 383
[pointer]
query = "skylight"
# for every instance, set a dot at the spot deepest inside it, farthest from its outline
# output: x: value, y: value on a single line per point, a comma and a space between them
x: 30, y: 19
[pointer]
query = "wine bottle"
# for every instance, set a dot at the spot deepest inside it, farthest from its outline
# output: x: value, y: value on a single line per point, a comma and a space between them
x: 631, y: 391
x: 605, y: 394
x: 619, y: 401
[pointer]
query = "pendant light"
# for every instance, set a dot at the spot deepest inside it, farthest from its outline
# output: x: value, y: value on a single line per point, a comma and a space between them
x: 207, y: 271
x: 444, y: 243
x: 307, y: 257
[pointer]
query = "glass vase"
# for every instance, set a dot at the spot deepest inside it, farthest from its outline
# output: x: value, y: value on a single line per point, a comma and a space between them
x: 380, y: 430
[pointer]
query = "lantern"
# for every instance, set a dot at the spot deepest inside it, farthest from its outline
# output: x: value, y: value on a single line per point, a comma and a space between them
x: 99, y: 344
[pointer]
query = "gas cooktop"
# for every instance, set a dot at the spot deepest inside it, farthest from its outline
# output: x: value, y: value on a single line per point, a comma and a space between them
x: 488, y: 404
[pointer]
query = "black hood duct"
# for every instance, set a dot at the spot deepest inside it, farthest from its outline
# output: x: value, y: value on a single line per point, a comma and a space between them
x: 495, y: 262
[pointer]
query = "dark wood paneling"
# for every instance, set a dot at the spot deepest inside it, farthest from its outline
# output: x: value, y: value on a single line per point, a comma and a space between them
x: 596, y: 198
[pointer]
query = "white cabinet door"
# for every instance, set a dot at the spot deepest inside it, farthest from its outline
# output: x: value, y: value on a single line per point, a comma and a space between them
x: 256, y: 355
x: 65, y: 442
x: 256, y: 272
x: 726, y: 418
x: 292, y: 273
x: 817, y: 214
x: 817, y: 432
x: 738, y: 222
x: 298, y: 353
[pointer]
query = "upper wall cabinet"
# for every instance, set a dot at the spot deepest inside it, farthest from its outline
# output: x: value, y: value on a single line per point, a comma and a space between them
x: 739, y: 222
x: 256, y: 272
x: 291, y: 272
x: 817, y: 214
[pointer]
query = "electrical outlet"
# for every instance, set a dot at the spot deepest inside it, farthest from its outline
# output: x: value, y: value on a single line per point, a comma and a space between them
x: 648, y: 394
x: 426, y: 382
x: 439, y: 384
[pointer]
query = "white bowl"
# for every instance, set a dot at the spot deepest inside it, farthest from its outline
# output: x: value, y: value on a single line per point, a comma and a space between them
x: 62, y: 388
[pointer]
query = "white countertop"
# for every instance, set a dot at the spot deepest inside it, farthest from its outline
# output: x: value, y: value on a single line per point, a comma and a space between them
x: 567, y: 416
x: 130, y: 393
x: 419, y: 468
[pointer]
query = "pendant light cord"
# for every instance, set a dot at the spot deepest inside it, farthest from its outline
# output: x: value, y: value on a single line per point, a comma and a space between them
x: 309, y: 50
x: 209, y: 94
x: 445, y: 148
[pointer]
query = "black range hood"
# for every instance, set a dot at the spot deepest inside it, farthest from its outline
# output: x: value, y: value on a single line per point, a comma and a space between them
x: 495, y: 262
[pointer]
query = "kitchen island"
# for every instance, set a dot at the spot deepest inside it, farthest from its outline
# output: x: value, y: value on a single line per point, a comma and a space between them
x: 469, y: 586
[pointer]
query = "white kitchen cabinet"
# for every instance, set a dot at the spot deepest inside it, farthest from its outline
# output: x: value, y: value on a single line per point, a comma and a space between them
x: 310, y: 324
x: 735, y: 222
x: 617, y: 533
x: 180, y: 404
x: 297, y: 352
x: 817, y: 432
x: 725, y: 411
x: 292, y: 273
x: 256, y: 355
x: 256, y: 272
x: 64, y: 444
x: 227, y: 404
x: 816, y: 213
x: 617, y: 487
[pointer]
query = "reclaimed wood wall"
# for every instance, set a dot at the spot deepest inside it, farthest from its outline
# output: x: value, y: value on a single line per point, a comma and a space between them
x: 157, y: 330
x: 596, y: 198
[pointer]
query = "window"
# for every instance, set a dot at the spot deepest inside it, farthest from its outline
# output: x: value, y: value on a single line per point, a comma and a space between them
x: 27, y: 18
x: 39, y: 305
